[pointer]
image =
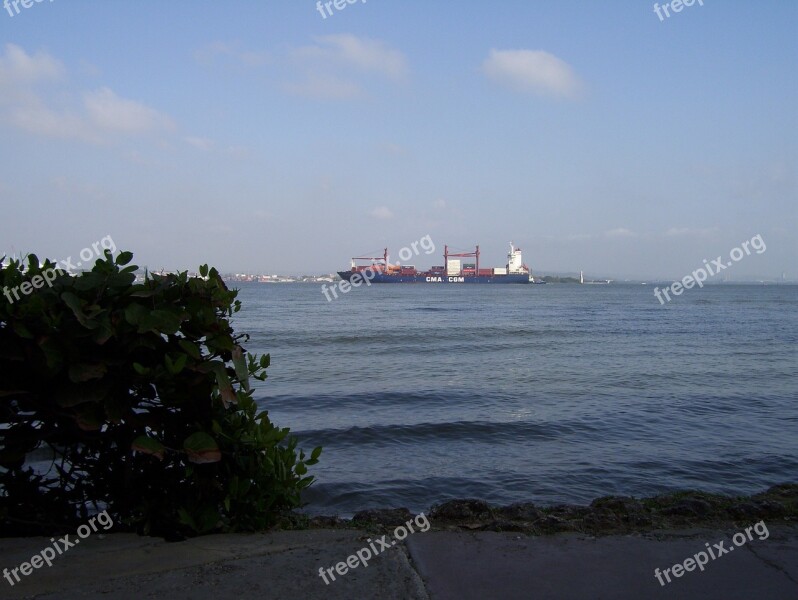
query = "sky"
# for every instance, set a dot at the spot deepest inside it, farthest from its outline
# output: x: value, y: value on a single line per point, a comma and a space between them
x: 264, y: 137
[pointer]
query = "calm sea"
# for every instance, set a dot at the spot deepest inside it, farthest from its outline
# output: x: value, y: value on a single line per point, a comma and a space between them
x: 553, y: 393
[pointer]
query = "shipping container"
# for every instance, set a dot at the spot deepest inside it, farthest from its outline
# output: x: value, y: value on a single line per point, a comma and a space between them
x: 469, y: 266
x: 500, y: 271
x: 453, y: 266
x: 486, y: 271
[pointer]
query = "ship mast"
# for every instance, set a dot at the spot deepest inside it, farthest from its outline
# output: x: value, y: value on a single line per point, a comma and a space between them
x: 446, y: 256
x: 383, y: 258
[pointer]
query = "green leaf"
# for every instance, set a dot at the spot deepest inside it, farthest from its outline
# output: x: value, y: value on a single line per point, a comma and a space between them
x: 191, y: 349
x: 186, y: 519
x: 223, y: 382
x: 76, y: 305
x: 202, y: 448
x: 52, y: 352
x: 174, y: 367
x: 147, y: 445
x: 104, y: 332
x: 84, y: 372
x: 140, y: 369
x: 180, y: 363
x: 21, y: 330
x: 240, y: 364
x: 124, y: 258
x: 116, y: 408
x: 70, y: 395
x: 89, y: 418
x: 160, y: 321
x: 134, y: 313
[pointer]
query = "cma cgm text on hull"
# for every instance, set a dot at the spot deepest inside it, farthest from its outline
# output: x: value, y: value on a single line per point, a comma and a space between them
x: 453, y: 271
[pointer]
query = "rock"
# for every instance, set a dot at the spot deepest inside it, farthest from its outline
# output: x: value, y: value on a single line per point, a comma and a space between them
x: 619, y: 510
x: 388, y: 517
x: 568, y: 512
x: 521, y: 511
x: 503, y: 525
x: 325, y: 522
x: 688, y: 507
x: 757, y: 509
x: 618, y: 504
x: 454, y: 510
x: 553, y: 524
x: 786, y: 495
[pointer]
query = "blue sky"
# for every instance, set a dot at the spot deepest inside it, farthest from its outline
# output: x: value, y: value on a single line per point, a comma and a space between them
x: 259, y: 136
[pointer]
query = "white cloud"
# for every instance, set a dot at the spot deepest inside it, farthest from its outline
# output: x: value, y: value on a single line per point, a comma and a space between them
x: 358, y: 53
x: 237, y: 151
x: 36, y: 118
x: 338, y: 66
x: 96, y: 117
x: 620, y: 232
x: 382, y: 213
x: 247, y: 58
x: 109, y: 112
x: 200, y: 143
x: 19, y: 67
x: 532, y: 71
x: 692, y: 232
x: 323, y: 86
x: 72, y: 189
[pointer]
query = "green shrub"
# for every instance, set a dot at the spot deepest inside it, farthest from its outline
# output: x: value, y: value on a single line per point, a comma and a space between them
x: 139, y: 396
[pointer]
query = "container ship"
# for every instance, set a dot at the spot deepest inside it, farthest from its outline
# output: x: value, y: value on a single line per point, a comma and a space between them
x: 453, y: 271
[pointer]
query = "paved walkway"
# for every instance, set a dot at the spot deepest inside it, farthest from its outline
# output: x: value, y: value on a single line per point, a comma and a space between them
x: 435, y: 565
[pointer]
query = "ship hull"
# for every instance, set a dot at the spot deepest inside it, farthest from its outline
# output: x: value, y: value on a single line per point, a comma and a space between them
x: 439, y: 279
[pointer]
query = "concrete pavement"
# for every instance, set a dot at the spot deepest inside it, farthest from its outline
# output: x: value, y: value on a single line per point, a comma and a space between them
x: 282, y: 564
x: 439, y: 565
x: 460, y: 566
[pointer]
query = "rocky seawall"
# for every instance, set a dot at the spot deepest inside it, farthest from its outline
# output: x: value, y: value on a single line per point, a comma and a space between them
x: 604, y: 516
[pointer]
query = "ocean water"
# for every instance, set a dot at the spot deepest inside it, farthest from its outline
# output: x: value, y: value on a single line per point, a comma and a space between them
x: 553, y: 393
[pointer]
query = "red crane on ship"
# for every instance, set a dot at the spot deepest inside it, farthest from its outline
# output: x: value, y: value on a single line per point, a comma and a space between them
x: 373, y: 259
x: 446, y: 256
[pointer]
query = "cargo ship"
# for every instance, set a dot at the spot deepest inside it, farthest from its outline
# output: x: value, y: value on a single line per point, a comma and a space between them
x: 453, y: 270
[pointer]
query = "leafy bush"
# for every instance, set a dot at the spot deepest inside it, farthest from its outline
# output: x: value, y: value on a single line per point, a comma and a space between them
x: 138, y: 396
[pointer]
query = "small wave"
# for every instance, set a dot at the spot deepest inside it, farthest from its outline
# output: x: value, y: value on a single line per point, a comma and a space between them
x: 478, y: 431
